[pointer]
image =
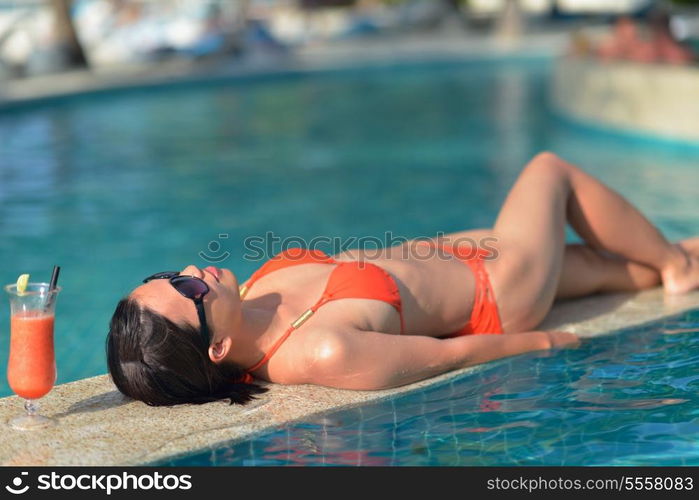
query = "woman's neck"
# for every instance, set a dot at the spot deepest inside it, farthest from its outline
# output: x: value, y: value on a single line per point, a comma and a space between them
x: 251, y: 337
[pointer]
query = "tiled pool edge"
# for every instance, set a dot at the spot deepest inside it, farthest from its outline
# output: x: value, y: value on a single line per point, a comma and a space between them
x: 98, y: 426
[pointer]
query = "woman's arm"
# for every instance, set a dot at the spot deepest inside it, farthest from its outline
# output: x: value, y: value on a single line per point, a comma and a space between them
x: 373, y: 360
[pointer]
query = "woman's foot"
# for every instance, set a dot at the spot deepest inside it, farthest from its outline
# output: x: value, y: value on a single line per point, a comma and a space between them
x: 682, y: 274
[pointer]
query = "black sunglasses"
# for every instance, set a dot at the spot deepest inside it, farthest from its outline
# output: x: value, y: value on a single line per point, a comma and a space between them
x: 191, y: 287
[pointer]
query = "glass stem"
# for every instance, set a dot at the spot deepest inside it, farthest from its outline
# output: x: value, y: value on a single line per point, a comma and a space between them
x: 31, y: 406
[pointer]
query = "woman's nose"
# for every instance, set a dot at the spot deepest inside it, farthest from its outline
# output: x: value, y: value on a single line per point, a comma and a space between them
x: 191, y: 270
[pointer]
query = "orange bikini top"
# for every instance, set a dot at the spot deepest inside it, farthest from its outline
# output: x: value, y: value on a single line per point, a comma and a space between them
x: 353, y: 279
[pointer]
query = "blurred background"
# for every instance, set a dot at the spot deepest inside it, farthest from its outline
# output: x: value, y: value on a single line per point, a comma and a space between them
x: 43, y: 36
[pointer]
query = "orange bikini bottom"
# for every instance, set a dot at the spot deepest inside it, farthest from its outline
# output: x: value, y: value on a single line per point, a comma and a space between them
x: 485, y: 318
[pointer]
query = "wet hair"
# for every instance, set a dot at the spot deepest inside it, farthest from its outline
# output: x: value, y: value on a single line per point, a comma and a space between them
x: 154, y: 360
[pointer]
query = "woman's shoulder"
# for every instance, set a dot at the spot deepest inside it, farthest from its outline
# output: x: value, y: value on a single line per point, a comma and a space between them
x: 309, y: 352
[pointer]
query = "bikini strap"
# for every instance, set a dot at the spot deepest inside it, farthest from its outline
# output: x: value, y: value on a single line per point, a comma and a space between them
x: 294, y: 325
x: 271, y: 352
x: 286, y: 258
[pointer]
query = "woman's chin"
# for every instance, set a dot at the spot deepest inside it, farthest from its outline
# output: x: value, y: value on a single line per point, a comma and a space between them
x: 227, y: 276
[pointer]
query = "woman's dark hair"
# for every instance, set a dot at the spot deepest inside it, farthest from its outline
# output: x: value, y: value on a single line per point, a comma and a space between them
x: 154, y: 360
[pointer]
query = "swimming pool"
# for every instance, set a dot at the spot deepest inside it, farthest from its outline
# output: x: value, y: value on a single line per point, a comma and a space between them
x: 625, y: 399
x: 114, y: 187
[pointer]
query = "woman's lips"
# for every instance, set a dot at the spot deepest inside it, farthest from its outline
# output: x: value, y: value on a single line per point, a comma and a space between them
x: 214, y: 271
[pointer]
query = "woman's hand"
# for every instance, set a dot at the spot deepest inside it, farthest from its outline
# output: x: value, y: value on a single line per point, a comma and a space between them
x: 559, y: 339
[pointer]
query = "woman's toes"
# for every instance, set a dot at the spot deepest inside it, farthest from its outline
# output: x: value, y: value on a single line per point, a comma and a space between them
x: 691, y: 245
x: 683, y: 275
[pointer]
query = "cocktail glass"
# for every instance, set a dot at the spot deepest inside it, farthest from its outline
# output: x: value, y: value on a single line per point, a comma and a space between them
x: 31, y: 370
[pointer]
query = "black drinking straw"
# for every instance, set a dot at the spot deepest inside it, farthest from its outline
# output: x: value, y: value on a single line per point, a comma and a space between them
x: 52, y: 284
x: 54, y: 277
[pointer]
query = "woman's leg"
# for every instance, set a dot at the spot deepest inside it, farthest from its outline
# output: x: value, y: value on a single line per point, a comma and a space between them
x: 530, y: 231
x: 586, y: 271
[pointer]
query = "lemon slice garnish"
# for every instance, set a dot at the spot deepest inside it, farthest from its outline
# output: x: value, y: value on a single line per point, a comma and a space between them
x: 22, y: 283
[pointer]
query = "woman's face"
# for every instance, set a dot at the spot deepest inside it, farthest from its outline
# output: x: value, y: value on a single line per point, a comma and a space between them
x: 221, y: 304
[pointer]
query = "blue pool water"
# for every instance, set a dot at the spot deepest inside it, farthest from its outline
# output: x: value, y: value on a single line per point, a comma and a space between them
x: 626, y: 399
x: 114, y: 187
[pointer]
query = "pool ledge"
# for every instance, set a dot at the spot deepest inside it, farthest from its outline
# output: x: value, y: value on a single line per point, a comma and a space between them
x: 378, y: 53
x: 648, y: 101
x: 99, y: 426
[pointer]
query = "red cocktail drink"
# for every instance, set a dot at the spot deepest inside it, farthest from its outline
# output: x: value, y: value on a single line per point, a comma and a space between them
x: 31, y: 369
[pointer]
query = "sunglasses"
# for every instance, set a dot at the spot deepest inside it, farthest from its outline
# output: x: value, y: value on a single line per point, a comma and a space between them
x: 190, y: 287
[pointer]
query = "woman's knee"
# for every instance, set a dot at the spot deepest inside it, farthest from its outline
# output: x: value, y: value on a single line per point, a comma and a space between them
x: 544, y: 166
x: 551, y: 169
x: 550, y: 162
x: 546, y: 157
